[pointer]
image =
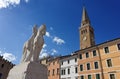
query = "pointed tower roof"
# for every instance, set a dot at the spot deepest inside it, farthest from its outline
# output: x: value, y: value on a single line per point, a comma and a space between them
x: 85, y: 18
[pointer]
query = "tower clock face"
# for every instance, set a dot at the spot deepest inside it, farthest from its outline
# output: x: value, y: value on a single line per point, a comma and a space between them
x: 84, y: 38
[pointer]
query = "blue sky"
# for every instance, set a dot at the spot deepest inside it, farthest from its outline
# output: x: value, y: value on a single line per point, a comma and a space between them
x: 62, y: 19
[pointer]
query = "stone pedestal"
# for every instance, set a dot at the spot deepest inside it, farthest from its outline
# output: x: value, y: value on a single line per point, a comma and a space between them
x: 28, y: 70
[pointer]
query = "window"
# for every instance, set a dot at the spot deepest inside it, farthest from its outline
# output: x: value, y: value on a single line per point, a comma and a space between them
x: 94, y: 53
x: 82, y: 77
x: 112, y: 76
x: 0, y: 75
x: 118, y: 45
x: 53, y: 72
x: 80, y: 56
x: 68, y: 61
x: 89, y: 77
x: 106, y: 49
x: 109, y: 63
x: 48, y: 72
x: 96, y: 65
x: 76, y: 77
x: 75, y: 59
x: 81, y: 67
x: 76, y: 70
x: 57, y: 71
x: 97, y: 76
x: 63, y: 72
x: 88, y: 66
x: 62, y: 63
x: 2, y: 65
x: 87, y: 55
x: 68, y: 71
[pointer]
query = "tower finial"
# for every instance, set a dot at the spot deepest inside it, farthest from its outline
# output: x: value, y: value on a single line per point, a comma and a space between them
x: 85, y: 18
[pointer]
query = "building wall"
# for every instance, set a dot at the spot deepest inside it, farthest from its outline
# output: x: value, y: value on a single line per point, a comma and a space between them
x: 71, y: 65
x: 101, y: 58
x: 114, y: 55
x: 54, y: 66
x: 91, y: 59
x: 5, y: 67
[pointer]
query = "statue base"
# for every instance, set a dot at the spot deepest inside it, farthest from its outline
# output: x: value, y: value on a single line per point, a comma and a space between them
x: 28, y: 70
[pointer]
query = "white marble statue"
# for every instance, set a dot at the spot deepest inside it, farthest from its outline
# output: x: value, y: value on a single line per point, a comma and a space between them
x: 30, y: 68
x: 38, y: 42
x: 33, y: 46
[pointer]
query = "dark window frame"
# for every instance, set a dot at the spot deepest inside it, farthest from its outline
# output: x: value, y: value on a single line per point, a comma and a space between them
x: 81, y: 67
x: 80, y: 56
x: 109, y: 62
x: 118, y: 46
x: 97, y: 76
x: 106, y: 50
x: 94, y: 53
x: 87, y: 55
x: 88, y: 66
x: 96, y: 65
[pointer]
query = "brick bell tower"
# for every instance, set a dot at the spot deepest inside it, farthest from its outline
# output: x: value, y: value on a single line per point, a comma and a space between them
x: 86, y: 31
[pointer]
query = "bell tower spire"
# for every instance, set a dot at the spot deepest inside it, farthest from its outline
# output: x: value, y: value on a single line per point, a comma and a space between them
x: 85, y: 18
x: 86, y: 31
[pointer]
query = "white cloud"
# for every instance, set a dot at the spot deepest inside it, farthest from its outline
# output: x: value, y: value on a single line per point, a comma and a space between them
x: 54, y: 51
x: 9, y: 56
x: 44, y: 45
x: 7, y: 3
x: 47, y: 34
x: 58, y: 40
x: 43, y: 53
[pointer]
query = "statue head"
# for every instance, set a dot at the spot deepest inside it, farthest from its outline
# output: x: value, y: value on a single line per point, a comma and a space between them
x: 42, y: 29
x: 35, y: 30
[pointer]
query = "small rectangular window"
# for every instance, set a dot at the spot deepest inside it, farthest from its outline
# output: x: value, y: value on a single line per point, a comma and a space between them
x: 106, y: 49
x: 112, y: 76
x: 81, y: 67
x: 109, y: 63
x: 82, y: 77
x: 89, y: 77
x: 118, y: 45
x: 75, y: 59
x: 68, y: 61
x: 96, y: 65
x: 68, y: 71
x: 80, y: 56
x: 97, y: 76
x: 87, y: 55
x: 94, y: 53
x: 88, y: 66
x: 76, y: 70
x: 61, y: 63
x: 64, y: 72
